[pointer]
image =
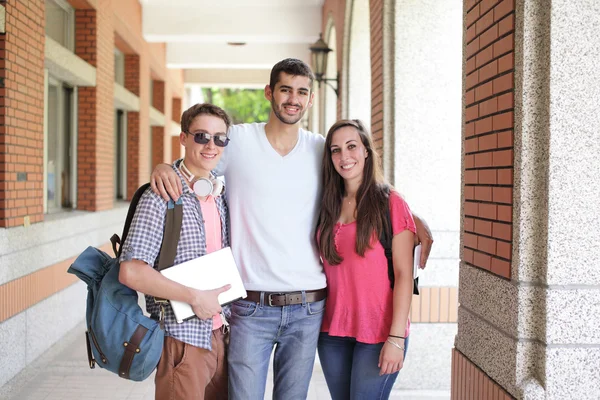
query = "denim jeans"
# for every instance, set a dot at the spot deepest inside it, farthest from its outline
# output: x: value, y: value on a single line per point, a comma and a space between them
x: 351, y: 370
x: 255, y: 329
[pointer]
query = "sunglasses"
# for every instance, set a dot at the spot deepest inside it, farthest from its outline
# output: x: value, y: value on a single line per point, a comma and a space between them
x: 204, y: 138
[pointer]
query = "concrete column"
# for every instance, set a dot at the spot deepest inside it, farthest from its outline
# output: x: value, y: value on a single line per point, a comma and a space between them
x: 537, y: 334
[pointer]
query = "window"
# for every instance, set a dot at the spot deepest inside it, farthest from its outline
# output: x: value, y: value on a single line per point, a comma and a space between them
x: 119, y: 67
x: 120, y: 177
x: 60, y: 23
x: 61, y: 147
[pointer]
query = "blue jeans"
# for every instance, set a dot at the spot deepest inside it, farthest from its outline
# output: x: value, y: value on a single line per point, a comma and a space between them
x: 255, y: 329
x: 351, y: 371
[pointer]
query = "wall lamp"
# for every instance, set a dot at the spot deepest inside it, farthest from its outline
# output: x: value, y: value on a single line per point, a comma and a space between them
x: 319, y: 51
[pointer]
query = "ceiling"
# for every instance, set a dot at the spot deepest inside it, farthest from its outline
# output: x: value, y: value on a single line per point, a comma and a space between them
x: 197, y: 33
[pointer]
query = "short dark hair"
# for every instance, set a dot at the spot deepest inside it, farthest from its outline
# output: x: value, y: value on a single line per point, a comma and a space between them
x: 291, y: 66
x: 191, y: 113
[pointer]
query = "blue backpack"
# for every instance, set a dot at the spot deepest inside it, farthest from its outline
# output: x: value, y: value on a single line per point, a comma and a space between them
x: 119, y: 337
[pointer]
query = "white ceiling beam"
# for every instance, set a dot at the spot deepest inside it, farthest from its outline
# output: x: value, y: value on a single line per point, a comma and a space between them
x: 222, y: 56
x: 244, y: 23
x: 231, y: 78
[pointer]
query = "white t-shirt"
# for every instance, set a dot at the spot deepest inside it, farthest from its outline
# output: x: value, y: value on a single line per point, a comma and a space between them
x: 273, y: 204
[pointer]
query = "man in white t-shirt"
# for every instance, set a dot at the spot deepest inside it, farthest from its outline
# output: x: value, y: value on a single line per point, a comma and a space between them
x: 272, y: 172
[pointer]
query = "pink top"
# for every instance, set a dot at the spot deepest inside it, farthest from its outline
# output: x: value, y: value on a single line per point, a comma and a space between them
x: 359, y: 302
x: 212, y: 227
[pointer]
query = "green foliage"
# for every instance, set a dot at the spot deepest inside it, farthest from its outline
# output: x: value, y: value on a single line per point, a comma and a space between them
x: 243, y: 105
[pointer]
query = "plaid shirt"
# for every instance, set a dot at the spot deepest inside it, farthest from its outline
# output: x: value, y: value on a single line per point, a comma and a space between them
x: 143, y: 243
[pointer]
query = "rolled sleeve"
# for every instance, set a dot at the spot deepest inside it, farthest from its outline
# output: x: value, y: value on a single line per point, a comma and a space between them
x: 146, y: 231
x: 400, y: 214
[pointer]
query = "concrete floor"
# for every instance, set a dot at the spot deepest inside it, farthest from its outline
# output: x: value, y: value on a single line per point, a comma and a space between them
x: 62, y: 374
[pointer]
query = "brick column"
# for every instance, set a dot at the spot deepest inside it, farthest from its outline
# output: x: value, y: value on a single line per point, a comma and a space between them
x: 175, y: 148
x: 132, y: 83
x: 22, y: 113
x: 94, y: 43
x: 158, y: 132
x: 176, y: 110
x: 377, y: 73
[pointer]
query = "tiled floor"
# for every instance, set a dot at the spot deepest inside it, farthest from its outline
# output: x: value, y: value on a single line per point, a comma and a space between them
x: 62, y: 374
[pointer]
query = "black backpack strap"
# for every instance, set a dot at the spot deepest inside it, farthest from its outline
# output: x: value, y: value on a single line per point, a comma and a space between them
x: 168, y: 247
x: 386, y: 237
x: 130, y: 213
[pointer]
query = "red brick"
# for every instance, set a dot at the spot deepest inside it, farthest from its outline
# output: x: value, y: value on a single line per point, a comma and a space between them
x: 506, y: 62
x: 471, y: 146
x: 470, y: 240
x: 505, y: 213
x: 501, y: 267
x: 506, y: 25
x: 484, y: 22
x: 472, y: 113
x: 487, y: 211
x: 488, y: 71
x: 503, y: 158
x: 470, y: 97
x: 469, y: 225
x: 469, y: 192
x: 502, y: 231
x: 484, y: 91
x: 470, y: 128
x: 486, y: 245
x: 502, y: 195
x: 482, y: 260
x: 503, y: 121
x: 505, y: 177
x: 503, y: 83
x: 506, y: 101
x: 470, y: 66
x: 487, y: 177
x: 472, y: 16
x: 468, y: 255
x: 504, y: 8
x: 504, y: 45
x: 505, y: 139
x: 503, y: 250
x: 488, y: 107
x: 483, y: 227
x: 488, y: 37
x: 488, y: 142
x: 469, y: 161
x: 483, y: 126
x: 471, y: 209
x: 483, y: 160
x: 483, y: 193
x: 472, y: 48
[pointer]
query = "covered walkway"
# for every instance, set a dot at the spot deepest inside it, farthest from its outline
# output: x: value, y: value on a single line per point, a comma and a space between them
x: 61, y: 374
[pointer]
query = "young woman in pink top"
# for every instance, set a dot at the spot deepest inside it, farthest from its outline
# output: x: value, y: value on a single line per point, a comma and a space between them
x: 365, y: 328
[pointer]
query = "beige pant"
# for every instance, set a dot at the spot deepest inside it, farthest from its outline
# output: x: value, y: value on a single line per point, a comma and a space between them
x: 186, y: 372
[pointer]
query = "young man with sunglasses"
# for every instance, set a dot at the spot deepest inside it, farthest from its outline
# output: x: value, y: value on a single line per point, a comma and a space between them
x: 272, y: 172
x: 193, y: 364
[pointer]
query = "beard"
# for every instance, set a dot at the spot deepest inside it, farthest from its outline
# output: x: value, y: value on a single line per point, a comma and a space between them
x: 289, y: 120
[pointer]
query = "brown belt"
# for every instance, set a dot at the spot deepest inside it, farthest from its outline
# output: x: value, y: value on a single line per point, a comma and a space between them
x: 278, y: 299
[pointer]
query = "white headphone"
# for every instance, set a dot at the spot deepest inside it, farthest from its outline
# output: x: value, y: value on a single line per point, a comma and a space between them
x: 203, y: 186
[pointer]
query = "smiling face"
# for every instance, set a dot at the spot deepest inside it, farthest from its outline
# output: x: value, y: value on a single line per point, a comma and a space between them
x: 290, y: 98
x: 348, y: 153
x: 200, y: 159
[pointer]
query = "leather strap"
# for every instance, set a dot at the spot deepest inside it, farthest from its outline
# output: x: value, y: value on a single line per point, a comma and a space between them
x: 168, y: 247
x: 91, y: 360
x: 279, y: 299
x: 131, y: 349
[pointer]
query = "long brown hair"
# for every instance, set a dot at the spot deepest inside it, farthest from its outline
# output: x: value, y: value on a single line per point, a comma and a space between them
x: 371, y: 197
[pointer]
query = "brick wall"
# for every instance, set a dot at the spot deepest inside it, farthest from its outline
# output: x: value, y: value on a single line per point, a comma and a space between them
x: 158, y: 95
x: 470, y: 382
x: 176, y: 109
x: 158, y: 132
x: 376, y: 8
x: 94, y: 38
x: 132, y: 83
x: 488, y: 145
x: 22, y: 113
x: 175, y: 148
x: 158, y: 145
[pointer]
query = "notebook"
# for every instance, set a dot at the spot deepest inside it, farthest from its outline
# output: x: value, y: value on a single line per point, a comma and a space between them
x: 204, y: 273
